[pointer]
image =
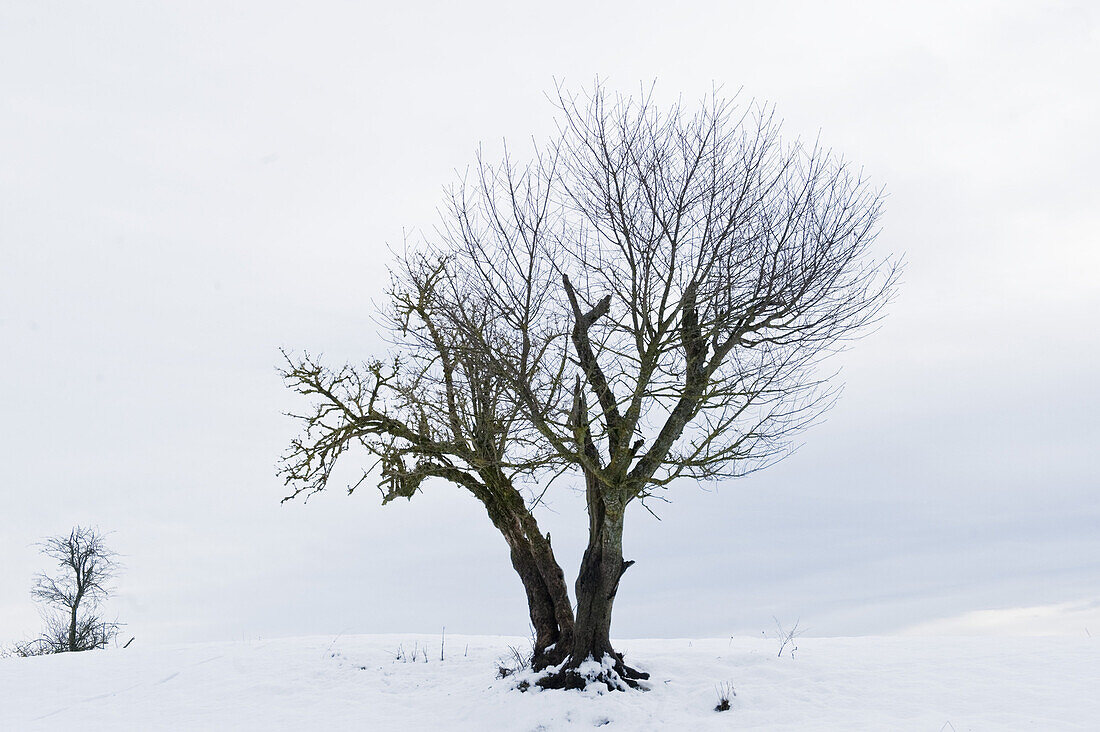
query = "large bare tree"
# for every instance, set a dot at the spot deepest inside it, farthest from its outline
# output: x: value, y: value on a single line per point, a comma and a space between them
x: 649, y: 298
x: 662, y: 286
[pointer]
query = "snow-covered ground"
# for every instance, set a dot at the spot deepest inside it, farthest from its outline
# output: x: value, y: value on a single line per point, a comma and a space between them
x: 356, y: 683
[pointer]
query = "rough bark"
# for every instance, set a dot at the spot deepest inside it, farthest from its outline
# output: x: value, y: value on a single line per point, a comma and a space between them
x: 543, y: 579
x: 553, y: 580
x: 602, y: 566
x: 539, y: 602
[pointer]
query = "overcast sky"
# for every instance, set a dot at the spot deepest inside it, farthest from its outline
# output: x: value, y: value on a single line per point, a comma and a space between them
x: 187, y: 187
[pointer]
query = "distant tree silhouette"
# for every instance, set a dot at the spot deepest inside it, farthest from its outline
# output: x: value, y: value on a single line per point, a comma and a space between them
x: 73, y: 593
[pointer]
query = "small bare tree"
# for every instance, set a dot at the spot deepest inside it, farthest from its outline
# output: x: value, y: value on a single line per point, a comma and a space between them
x: 73, y: 594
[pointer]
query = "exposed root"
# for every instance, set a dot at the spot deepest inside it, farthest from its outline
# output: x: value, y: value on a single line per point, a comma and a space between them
x: 555, y: 655
x: 611, y: 672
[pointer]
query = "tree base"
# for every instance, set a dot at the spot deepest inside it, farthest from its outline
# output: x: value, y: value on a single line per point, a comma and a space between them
x: 553, y: 656
x: 610, y: 672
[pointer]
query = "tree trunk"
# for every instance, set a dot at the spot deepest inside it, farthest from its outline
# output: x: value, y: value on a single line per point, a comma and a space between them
x: 553, y: 582
x: 540, y: 605
x: 543, y: 579
x: 72, y: 628
x: 597, y: 584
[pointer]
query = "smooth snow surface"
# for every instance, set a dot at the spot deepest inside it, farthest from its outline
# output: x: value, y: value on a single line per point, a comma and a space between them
x: 355, y: 683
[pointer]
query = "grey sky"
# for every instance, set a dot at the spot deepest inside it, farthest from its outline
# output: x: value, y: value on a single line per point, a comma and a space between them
x: 186, y: 187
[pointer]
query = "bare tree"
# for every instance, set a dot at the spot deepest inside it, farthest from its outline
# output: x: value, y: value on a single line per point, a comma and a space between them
x: 434, y: 410
x: 649, y: 298
x: 662, y: 287
x: 73, y: 594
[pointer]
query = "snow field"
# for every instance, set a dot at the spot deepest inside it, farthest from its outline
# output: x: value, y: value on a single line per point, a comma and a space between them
x: 356, y: 683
